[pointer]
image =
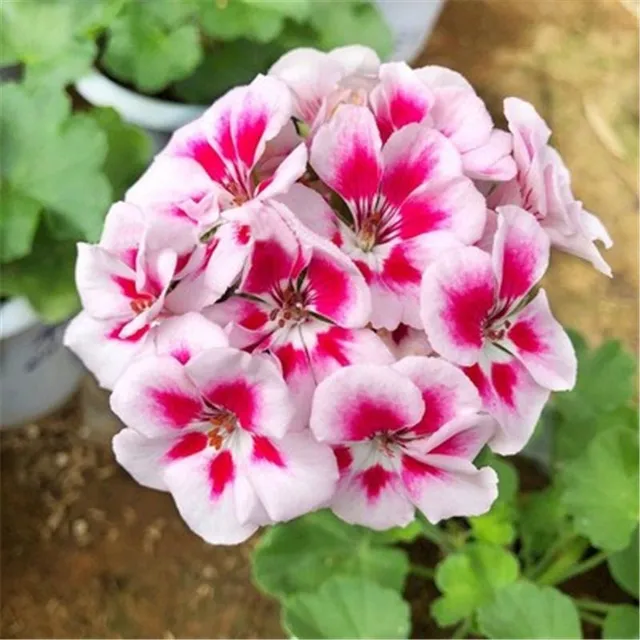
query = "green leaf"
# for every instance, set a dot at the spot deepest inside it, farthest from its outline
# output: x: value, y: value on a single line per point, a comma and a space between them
x: 410, y: 533
x: 61, y: 70
x: 343, y: 23
x: 45, y: 277
x: 240, y: 20
x: 226, y: 65
x: 601, y: 489
x: 52, y: 158
x: 18, y: 223
x: 603, y: 391
x: 469, y: 578
x: 297, y: 10
x: 302, y: 554
x: 623, y: 566
x: 347, y: 607
x: 543, y: 517
x: 526, y: 610
x: 150, y: 47
x: 129, y: 150
x: 621, y: 622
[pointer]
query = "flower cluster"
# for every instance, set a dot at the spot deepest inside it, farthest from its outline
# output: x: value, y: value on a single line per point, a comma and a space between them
x: 325, y: 293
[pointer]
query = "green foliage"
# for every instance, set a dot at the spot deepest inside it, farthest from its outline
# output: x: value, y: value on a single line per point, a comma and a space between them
x: 526, y: 610
x: 470, y: 577
x: 621, y: 622
x: 301, y: 555
x: 624, y: 566
x: 347, y: 607
x: 152, y: 44
x: 602, y: 489
x: 498, y: 525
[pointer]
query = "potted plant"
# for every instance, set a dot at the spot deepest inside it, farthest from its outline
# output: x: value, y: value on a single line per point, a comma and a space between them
x: 60, y: 170
x: 160, y: 63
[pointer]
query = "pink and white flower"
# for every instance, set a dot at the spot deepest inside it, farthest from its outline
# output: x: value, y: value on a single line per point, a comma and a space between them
x: 404, y: 436
x: 303, y: 301
x: 461, y: 115
x: 482, y: 312
x: 542, y: 186
x: 407, y: 203
x: 215, y: 433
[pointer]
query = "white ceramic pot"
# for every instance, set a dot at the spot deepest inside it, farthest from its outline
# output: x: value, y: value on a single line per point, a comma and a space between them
x: 37, y: 373
x: 411, y: 23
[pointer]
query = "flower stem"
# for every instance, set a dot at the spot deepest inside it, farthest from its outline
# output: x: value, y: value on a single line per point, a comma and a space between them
x: 436, y: 535
x: 463, y: 629
x: 560, y: 560
x: 584, y: 566
x: 593, y: 605
x: 590, y: 617
x: 423, y: 572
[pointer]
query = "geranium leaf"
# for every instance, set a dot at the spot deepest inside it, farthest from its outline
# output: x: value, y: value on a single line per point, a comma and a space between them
x: 601, y: 489
x: 469, y: 578
x: 233, y: 20
x: 302, y: 554
x: 348, y: 607
x: 623, y: 566
x: 621, y: 622
x: 526, y: 610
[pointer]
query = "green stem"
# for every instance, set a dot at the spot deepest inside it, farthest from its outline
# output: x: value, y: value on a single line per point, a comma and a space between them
x: 549, y: 555
x: 589, y: 617
x: 593, y: 605
x: 423, y: 572
x: 463, y: 630
x: 564, y: 563
x: 436, y: 535
x: 584, y: 566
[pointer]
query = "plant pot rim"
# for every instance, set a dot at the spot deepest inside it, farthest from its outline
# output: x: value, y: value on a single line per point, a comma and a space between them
x: 134, y: 107
x: 16, y: 316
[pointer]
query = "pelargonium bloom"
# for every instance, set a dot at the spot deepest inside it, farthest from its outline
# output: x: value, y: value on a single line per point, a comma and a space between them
x: 408, y: 202
x: 482, y: 311
x: 404, y: 436
x: 217, y: 434
x: 542, y: 186
x: 303, y: 301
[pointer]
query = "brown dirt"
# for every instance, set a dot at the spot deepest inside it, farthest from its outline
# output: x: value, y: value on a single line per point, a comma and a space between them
x: 88, y: 553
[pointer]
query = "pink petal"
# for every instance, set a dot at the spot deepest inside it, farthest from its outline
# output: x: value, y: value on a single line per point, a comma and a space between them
x: 98, y: 344
x: 373, y: 497
x: 356, y: 59
x: 454, y: 205
x: 456, y: 297
x: 106, y: 285
x: 542, y: 345
x: 122, y: 234
x: 485, y: 241
x: 142, y: 457
x: 183, y: 337
x: 444, y: 487
x: 356, y: 403
x: 521, y: 254
x: 406, y: 341
x: 346, y: 154
x: 446, y: 391
x: 530, y: 131
x: 155, y: 397
x: 399, y: 99
x: 491, y: 160
x: 413, y: 156
x: 213, y: 498
x: 330, y: 347
x: 292, y: 476
x: 310, y: 75
x: 291, y: 168
x: 311, y: 209
x: 250, y: 387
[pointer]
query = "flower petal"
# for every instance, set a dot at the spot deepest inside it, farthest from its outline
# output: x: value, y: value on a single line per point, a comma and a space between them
x: 491, y: 160
x: 444, y: 487
x: 520, y: 254
x: 356, y: 59
x: 413, y: 156
x: 311, y: 209
x: 292, y: 476
x: 346, y: 154
x: 250, y: 387
x: 122, y: 233
x: 210, y: 497
x: 357, y: 402
x: 284, y: 177
x: 456, y: 297
x: 538, y: 340
x: 99, y: 345
x: 446, y: 391
x: 155, y: 397
x: 399, y: 99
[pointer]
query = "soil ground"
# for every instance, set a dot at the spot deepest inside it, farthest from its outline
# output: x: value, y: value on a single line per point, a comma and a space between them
x: 85, y: 552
